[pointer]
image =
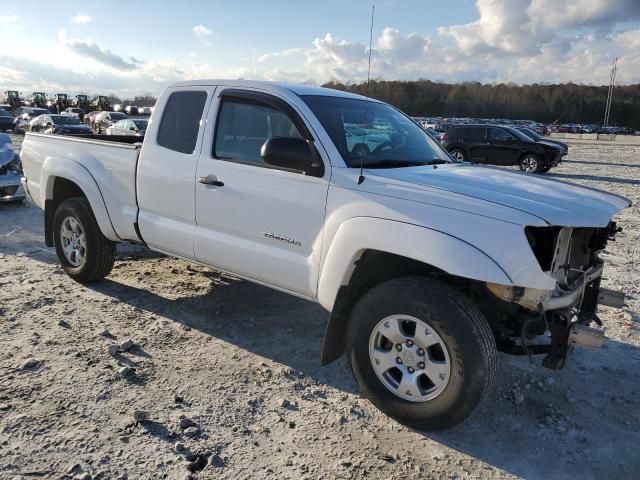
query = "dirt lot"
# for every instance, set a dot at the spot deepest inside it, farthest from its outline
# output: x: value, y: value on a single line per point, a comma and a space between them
x: 228, y: 373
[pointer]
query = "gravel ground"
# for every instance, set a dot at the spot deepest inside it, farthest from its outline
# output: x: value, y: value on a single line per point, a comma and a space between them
x: 224, y: 375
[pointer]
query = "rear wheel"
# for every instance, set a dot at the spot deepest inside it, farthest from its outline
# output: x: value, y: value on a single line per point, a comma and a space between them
x: 458, y: 154
x: 530, y: 163
x: 421, y: 351
x: 85, y: 254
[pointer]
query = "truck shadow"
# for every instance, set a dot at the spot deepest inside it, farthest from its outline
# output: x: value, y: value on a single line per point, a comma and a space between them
x: 545, y: 435
x: 285, y: 329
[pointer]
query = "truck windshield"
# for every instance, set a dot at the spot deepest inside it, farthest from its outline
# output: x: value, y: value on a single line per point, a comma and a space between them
x: 386, y: 138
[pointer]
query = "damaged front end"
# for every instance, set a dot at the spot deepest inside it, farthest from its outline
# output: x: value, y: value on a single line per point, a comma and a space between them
x: 570, y: 256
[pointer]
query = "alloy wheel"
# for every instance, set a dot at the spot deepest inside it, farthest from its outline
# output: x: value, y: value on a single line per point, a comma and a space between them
x: 73, y: 240
x: 529, y: 164
x: 410, y: 358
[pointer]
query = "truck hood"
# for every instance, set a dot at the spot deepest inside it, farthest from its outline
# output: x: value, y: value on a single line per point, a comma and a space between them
x: 555, y: 202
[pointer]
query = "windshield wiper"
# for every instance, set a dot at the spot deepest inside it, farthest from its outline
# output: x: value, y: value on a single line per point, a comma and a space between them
x: 390, y: 163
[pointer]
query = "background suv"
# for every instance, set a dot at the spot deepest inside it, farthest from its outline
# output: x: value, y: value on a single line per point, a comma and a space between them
x: 500, y: 145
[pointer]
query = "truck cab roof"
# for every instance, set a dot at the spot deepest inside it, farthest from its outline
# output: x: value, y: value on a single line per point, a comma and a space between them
x: 281, y: 87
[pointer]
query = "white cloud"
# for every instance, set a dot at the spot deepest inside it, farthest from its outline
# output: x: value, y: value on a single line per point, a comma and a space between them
x: 104, y: 56
x: 526, y: 27
x: 81, y: 18
x: 201, y: 31
x: 11, y: 24
x: 288, y: 52
x: 9, y: 19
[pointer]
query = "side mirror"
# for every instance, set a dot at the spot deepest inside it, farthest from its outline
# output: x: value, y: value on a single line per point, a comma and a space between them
x: 133, y: 129
x: 292, y: 153
x: 49, y: 124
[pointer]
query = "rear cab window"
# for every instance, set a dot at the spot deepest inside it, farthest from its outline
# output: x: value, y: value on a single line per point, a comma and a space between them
x: 180, y: 123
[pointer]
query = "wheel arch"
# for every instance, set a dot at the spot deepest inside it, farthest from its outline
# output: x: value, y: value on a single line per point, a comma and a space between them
x: 530, y: 152
x: 65, y: 178
x: 360, y: 258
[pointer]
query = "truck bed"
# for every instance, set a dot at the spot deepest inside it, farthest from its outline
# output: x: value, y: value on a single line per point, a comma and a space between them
x: 110, y: 161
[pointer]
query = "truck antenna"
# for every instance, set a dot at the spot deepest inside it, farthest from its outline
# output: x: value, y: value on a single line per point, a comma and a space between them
x: 366, y: 103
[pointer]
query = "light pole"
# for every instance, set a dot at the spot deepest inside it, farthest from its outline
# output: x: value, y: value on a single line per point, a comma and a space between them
x: 612, y: 79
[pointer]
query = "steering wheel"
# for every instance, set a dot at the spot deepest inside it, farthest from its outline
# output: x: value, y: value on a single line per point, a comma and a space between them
x: 382, y: 146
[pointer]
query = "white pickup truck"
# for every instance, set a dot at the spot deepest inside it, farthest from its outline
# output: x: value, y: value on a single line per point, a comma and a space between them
x: 429, y: 266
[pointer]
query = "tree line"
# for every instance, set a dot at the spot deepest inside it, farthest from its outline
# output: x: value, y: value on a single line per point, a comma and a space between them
x: 548, y: 103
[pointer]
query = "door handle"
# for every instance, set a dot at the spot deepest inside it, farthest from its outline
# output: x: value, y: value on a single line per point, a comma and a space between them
x: 211, y: 181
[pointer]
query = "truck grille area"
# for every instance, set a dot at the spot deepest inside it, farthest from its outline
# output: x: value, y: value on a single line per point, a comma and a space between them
x: 567, y: 252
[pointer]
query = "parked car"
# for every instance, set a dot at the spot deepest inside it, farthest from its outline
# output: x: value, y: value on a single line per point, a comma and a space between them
x: 427, y: 265
x: 104, y: 120
x: 58, y: 124
x: 145, y: 110
x: 90, y: 118
x: 436, y: 135
x: 131, y: 110
x: 75, y: 112
x: 24, y: 115
x: 539, y: 138
x: 6, y: 120
x: 136, y: 127
x: 11, y: 189
x: 500, y: 145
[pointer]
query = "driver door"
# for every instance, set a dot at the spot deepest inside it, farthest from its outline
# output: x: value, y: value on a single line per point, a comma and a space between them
x: 253, y: 219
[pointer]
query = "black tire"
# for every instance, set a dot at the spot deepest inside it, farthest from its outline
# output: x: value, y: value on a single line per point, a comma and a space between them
x: 464, y: 331
x: 530, y: 163
x: 100, y: 252
x: 458, y: 154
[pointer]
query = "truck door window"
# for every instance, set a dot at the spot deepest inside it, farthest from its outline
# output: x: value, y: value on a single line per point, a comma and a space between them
x: 244, y: 125
x: 180, y: 122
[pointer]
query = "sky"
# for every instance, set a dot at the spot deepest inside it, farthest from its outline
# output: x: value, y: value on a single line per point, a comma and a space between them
x: 138, y: 47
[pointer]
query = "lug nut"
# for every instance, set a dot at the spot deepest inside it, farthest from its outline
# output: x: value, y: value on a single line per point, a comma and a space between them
x: 409, y: 343
x: 420, y: 352
x: 421, y: 365
x: 410, y: 370
x: 398, y: 360
x: 398, y: 347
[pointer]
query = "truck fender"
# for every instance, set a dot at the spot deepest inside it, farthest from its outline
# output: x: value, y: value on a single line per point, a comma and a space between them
x: 75, y: 172
x: 432, y: 247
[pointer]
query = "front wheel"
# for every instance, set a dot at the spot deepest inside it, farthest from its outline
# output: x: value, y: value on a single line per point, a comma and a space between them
x: 458, y: 154
x: 85, y: 254
x: 421, y: 351
x: 530, y: 163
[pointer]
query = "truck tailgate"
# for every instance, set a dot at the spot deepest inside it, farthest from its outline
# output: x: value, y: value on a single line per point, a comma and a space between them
x: 111, y: 164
